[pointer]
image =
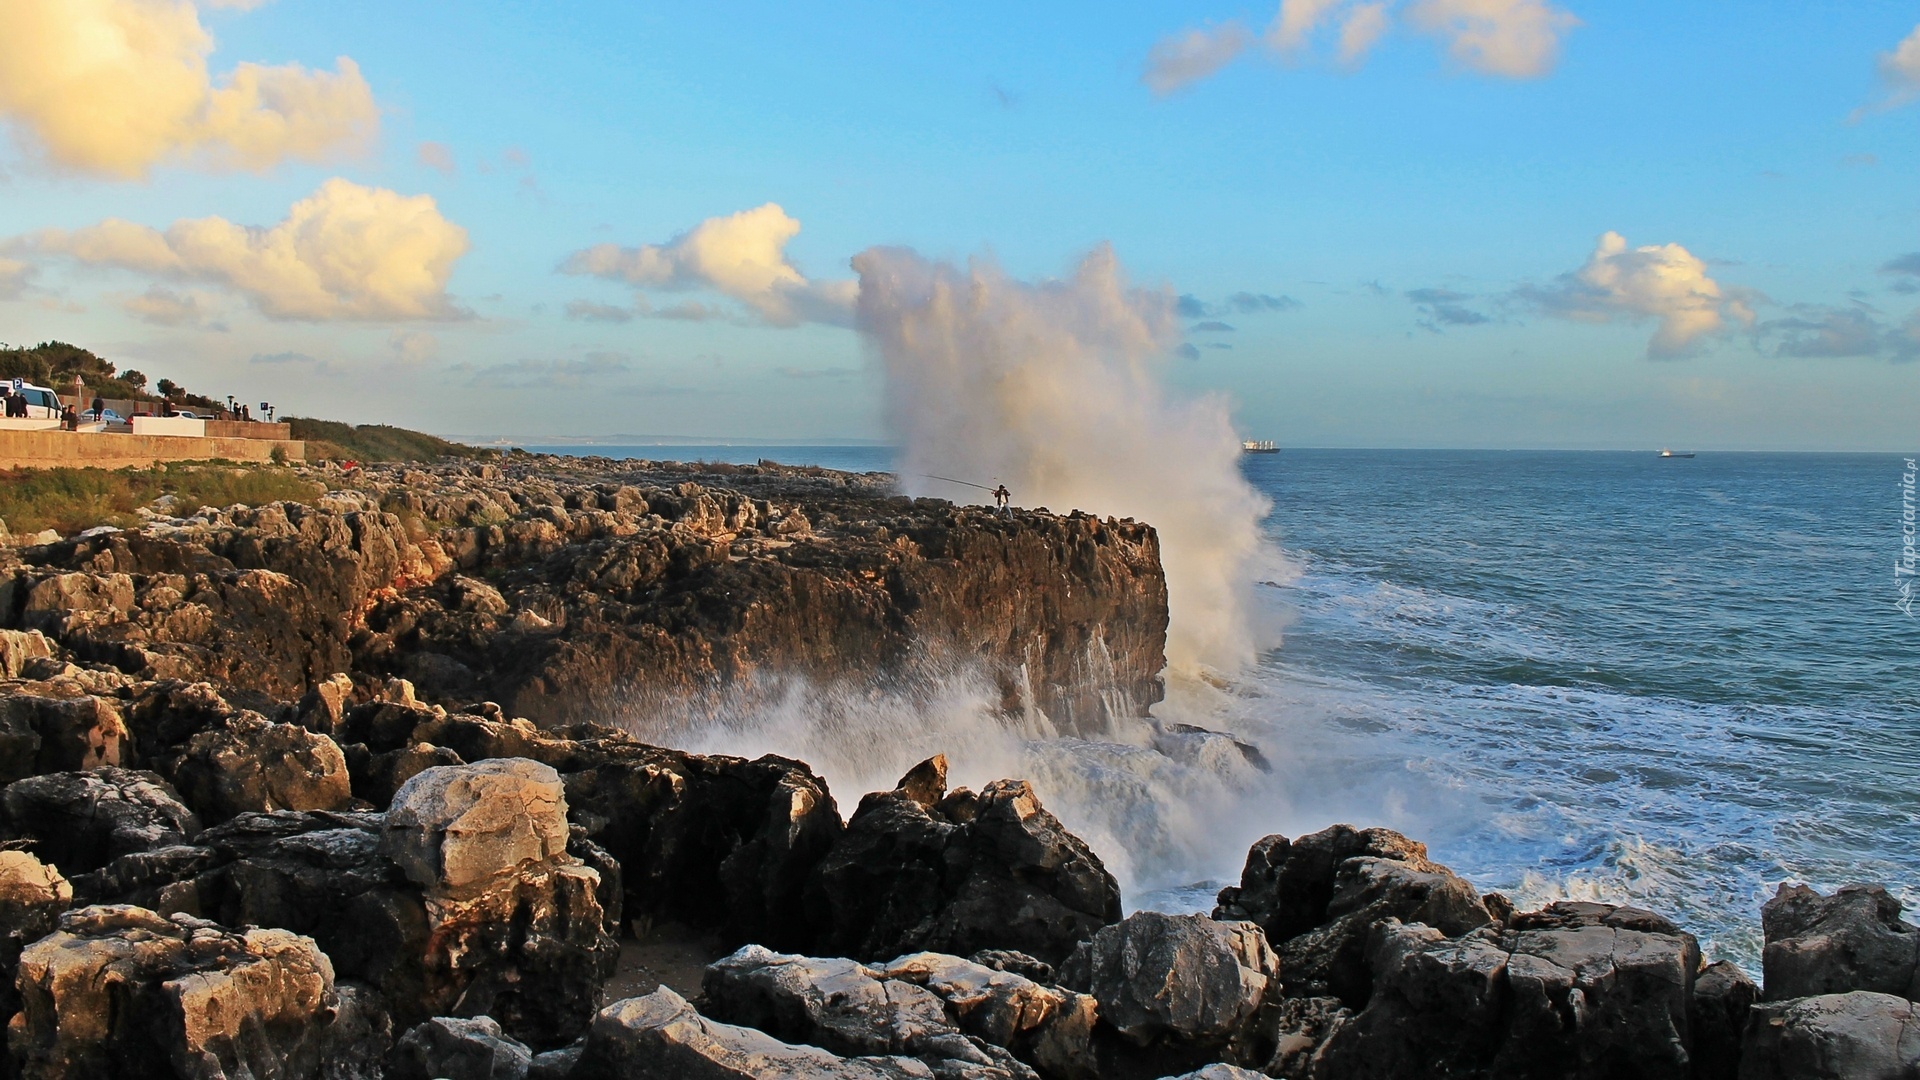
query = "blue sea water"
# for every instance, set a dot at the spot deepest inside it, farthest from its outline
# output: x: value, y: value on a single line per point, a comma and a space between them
x: 1608, y: 676
x: 1677, y: 682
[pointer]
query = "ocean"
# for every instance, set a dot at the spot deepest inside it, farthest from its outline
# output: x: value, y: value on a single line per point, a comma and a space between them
x: 1589, y: 675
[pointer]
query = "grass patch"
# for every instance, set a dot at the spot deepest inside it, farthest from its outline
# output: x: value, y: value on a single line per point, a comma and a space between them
x: 70, y: 500
x: 375, y: 442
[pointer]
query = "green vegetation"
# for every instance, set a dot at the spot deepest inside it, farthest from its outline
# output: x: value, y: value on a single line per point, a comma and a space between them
x: 375, y: 442
x: 54, y: 364
x: 70, y: 500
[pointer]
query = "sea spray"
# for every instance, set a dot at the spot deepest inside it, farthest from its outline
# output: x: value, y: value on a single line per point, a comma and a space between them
x: 1055, y: 389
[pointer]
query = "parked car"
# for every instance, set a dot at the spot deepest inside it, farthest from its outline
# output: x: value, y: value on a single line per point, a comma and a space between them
x: 108, y: 415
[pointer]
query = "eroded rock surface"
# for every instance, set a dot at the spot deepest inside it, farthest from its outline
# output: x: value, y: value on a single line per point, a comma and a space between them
x: 992, y: 870
x: 1851, y: 940
x: 79, y: 821
x: 1854, y: 1036
x: 124, y: 992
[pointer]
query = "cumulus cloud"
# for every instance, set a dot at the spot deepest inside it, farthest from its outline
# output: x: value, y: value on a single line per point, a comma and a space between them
x: 1899, y: 77
x: 161, y: 306
x: 1665, y: 283
x: 413, y: 347
x: 742, y: 256
x: 1514, y: 39
x: 345, y: 252
x: 115, y: 87
x: 14, y: 278
x: 437, y: 156
x: 1184, y: 59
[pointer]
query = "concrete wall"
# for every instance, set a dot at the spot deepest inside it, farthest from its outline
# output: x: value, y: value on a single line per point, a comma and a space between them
x: 174, y: 426
x: 68, y: 449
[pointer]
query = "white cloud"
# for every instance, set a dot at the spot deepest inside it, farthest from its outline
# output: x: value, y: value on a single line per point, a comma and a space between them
x: 14, y: 276
x: 1666, y: 283
x: 742, y: 256
x: 1184, y: 59
x: 1515, y: 39
x: 412, y: 348
x: 1900, y: 74
x: 115, y: 87
x: 344, y: 252
x: 162, y: 306
x: 436, y: 156
x: 527, y: 374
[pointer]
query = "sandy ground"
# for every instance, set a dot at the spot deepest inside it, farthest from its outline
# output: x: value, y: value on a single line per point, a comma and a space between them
x: 671, y: 956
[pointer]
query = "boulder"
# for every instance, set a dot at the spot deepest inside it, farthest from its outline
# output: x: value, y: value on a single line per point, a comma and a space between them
x: 947, y: 1011
x: 456, y: 829
x: 1577, y: 991
x: 971, y: 872
x: 1331, y: 958
x: 1298, y: 1029
x: 123, y: 992
x: 1219, y: 1071
x: 249, y: 764
x: 452, y: 1048
x: 661, y: 1037
x: 32, y: 896
x: 530, y: 949
x: 1048, y: 1027
x: 718, y: 843
x: 1287, y: 885
x: 79, y: 821
x: 50, y: 734
x: 1178, y: 979
x: 1852, y: 940
x: 1854, y: 1036
x: 18, y: 647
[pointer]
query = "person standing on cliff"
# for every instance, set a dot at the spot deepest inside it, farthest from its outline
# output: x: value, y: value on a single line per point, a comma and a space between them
x: 1000, y: 497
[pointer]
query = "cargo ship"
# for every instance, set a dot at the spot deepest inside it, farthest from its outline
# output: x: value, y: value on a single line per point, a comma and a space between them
x: 1258, y: 446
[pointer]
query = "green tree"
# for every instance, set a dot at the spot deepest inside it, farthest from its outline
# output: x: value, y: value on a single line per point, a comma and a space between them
x: 134, y: 379
x: 168, y: 388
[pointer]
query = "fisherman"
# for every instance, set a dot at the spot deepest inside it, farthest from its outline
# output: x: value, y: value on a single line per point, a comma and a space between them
x: 1000, y: 497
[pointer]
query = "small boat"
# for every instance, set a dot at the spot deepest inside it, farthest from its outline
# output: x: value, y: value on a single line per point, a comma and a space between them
x: 1258, y: 446
x: 1669, y: 453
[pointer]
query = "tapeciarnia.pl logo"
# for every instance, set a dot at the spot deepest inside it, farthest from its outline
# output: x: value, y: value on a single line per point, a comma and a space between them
x: 1903, y: 567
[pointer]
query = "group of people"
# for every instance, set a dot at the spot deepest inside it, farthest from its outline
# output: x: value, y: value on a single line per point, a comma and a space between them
x: 16, y: 404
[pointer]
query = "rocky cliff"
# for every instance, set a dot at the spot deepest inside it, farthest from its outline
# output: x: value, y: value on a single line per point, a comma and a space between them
x: 571, y: 590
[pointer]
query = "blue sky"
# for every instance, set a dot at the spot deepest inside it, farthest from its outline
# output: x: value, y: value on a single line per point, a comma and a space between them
x: 1769, y: 142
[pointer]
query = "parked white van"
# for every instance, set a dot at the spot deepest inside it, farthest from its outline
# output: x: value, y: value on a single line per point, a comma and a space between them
x: 42, y: 403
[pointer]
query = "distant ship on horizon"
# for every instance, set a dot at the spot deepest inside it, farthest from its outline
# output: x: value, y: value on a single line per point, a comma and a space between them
x: 1258, y: 446
x: 1669, y: 453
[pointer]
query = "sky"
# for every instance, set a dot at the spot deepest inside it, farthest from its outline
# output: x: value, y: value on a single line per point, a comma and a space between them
x: 1416, y: 223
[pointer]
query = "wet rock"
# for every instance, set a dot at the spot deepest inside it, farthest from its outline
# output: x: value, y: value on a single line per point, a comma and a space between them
x: 457, y: 829
x: 987, y: 871
x: 1295, y: 1031
x: 123, y: 992
x: 1331, y: 959
x: 1287, y: 885
x: 451, y: 1048
x: 557, y: 1064
x: 1852, y: 940
x: 1218, y: 1071
x: 1182, y: 979
x: 1854, y: 1036
x: 661, y: 1037
x: 1015, y: 963
x: 47, y: 734
x: 1578, y: 990
x: 248, y: 764
x: 79, y: 821
x: 712, y: 842
x: 1722, y: 999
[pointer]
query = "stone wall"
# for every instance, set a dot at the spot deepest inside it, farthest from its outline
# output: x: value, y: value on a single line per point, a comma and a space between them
x: 67, y: 449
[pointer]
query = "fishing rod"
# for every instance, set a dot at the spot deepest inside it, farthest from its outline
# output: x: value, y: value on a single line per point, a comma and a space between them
x: 951, y: 480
